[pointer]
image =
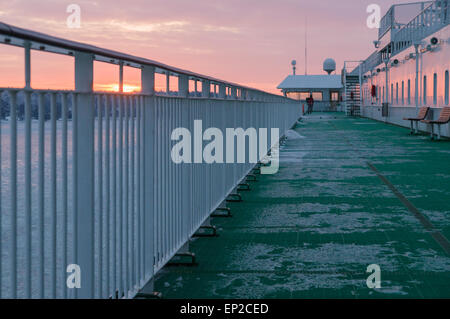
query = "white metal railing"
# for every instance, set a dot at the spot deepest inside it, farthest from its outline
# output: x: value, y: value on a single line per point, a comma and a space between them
x: 386, y: 22
x: 370, y: 63
x: 434, y: 16
x: 87, y: 178
x: 430, y: 20
x: 398, y: 15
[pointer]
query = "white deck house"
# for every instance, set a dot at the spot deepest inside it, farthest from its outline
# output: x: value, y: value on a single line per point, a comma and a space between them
x: 325, y: 89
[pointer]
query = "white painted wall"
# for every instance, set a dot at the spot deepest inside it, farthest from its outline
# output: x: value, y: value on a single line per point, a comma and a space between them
x: 397, y: 113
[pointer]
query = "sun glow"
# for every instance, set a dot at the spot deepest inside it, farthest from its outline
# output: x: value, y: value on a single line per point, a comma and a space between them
x: 127, y: 88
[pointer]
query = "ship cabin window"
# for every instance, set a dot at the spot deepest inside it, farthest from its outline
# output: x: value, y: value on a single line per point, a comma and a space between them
x: 403, y: 92
x: 302, y: 96
x: 435, y: 97
x: 396, y: 93
x: 317, y: 96
x: 446, y: 87
x: 425, y: 90
x: 334, y: 96
x: 392, y: 93
x: 409, y: 92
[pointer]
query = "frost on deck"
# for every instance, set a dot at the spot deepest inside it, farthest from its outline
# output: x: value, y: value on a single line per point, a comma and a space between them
x: 311, y: 230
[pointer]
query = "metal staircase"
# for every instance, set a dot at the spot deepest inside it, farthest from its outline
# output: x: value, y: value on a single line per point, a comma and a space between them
x: 352, y: 95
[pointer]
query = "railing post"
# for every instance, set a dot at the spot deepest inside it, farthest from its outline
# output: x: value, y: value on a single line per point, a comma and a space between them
x: 27, y: 47
x: 447, y: 15
x: 244, y: 94
x: 183, y: 85
x: 121, y: 77
x: 222, y: 91
x: 233, y: 93
x: 84, y: 161
x: 148, y: 89
x: 148, y: 79
x: 206, y: 89
x: 168, y: 82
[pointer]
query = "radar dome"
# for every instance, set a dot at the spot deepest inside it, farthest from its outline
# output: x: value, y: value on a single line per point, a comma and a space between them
x: 329, y: 65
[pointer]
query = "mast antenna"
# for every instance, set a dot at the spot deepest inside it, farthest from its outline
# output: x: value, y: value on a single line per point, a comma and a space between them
x: 306, y: 45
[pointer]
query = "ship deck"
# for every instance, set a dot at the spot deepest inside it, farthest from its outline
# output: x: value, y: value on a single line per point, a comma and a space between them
x: 350, y: 192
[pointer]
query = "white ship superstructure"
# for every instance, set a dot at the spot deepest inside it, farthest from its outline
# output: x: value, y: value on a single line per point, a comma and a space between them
x: 411, y: 64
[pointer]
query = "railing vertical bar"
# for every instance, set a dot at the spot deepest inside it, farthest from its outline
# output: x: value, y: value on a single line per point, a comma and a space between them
x: 182, y: 168
x: 106, y: 292
x: 169, y: 182
x: 164, y: 179
x: 100, y: 191
x: 121, y: 210
x: 127, y: 195
x: 114, y: 211
x: 75, y: 181
x: 157, y: 185
x: 41, y: 194
x: 1, y: 212
x: 149, y: 187
x: 159, y: 182
x: 53, y: 192
x: 178, y: 210
x: 65, y: 188
x: 138, y: 193
x: 27, y: 282
x: 140, y: 173
x: 13, y: 185
x: 132, y: 193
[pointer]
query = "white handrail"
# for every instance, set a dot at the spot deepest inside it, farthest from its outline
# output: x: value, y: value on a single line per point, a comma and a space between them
x: 102, y: 191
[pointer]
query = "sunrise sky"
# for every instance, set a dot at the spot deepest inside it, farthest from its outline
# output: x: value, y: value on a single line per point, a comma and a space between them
x: 250, y: 42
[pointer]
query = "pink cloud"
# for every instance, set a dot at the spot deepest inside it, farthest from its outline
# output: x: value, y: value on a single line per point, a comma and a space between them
x: 249, y: 42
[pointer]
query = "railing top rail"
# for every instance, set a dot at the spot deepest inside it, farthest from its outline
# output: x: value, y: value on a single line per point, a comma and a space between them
x: 388, y: 20
x: 105, y: 55
x: 421, y: 13
x: 411, y: 30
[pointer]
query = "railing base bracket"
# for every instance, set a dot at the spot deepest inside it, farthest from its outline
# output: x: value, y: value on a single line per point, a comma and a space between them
x: 257, y: 171
x: 190, y: 255
x: 212, y: 228
x: 234, y: 198
x: 225, y: 209
x: 154, y: 295
x: 244, y: 187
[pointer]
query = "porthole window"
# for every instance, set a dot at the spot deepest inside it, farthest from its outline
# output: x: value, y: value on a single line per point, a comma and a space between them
x: 392, y: 93
x: 396, y: 93
x: 425, y: 90
x: 409, y: 92
x: 435, y: 97
x: 446, y: 88
x: 403, y: 92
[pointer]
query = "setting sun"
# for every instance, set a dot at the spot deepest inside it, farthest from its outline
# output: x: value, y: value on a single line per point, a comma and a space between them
x: 127, y: 88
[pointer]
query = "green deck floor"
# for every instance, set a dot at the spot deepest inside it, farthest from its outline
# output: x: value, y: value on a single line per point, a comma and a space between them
x: 311, y: 230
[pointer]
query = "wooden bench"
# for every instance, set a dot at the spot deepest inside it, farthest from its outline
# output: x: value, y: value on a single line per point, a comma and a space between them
x: 444, y: 118
x: 423, y: 112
